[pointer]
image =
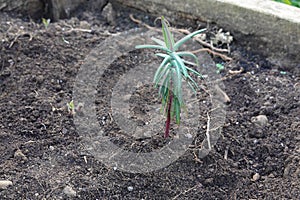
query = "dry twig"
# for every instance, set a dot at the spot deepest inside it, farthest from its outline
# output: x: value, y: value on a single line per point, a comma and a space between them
x: 19, y: 34
x: 186, y: 191
x: 207, y: 131
x: 224, y: 57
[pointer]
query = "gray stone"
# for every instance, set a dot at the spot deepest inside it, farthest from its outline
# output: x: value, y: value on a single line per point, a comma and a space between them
x: 260, y: 120
x: 130, y: 188
x: 69, y: 191
x: 255, y: 177
x: 109, y: 14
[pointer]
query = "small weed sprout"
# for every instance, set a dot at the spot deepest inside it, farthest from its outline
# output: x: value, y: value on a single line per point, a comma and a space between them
x: 71, y: 107
x: 46, y: 22
x: 172, y: 70
x: 220, y: 67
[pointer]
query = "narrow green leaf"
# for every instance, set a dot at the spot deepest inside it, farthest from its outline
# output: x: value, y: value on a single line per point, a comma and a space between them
x: 180, y: 63
x: 173, y: 107
x: 165, y: 85
x: 177, y: 86
x: 188, y: 54
x: 168, y: 37
x: 189, y: 63
x: 161, y: 70
x: 194, y: 72
x: 162, y: 55
x: 192, y: 87
x: 192, y: 80
x: 287, y: 2
x: 189, y: 79
x: 158, y: 41
x: 165, y: 71
x: 165, y: 92
x: 153, y: 47
x: 177, y: 111
x: 186, y: 38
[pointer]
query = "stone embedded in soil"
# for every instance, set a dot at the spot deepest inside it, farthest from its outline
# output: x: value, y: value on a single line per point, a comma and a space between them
x: 129, y: 188
x: 287, y: 171
x: 259, y: 133
x: 255, y: 177
x: 109, y: 14
x: 20, y: 155
x: 5, y: 183
x: 221, y: 95
x: 260, y: 120
x: 208, y: 181
x: 69, y: 191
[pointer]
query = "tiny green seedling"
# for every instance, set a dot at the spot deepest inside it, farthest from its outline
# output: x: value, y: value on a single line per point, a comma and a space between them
x: 46, y: 22
x: 220, y: 67
x: 172, y: 70
x: 283, y: 72
x: 71, y: 107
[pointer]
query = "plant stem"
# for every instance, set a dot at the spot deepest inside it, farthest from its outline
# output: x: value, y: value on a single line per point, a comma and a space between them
x: 168, y: 122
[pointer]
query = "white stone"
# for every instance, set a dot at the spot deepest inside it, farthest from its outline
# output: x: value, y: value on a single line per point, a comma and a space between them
x: 255, y: 177
x: 260, y: 120
x: 69, y: 191
x: 129, y: 188
x: 5, y: 183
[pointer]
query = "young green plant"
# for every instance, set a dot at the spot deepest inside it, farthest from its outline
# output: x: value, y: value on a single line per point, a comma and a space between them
x: 71, y: 107
x: 46, y: 22
x: 172, y: 71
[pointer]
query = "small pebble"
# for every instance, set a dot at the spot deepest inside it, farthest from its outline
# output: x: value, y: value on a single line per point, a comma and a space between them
x: 129, y: 188
x: 209, y: 181
x: 260, y: 120
x: 19, y: 154
x: 271, y: 176
x: 286, y: 171
x: 64, y: 131
x: 5, y: 183
x: 69, y: 191
x: 255, y: 177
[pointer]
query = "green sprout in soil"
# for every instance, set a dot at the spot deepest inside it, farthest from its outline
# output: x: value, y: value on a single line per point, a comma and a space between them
x: 220, y: 67
x: 71, y: 107
x: 46, y: 22
x: 172, y: 70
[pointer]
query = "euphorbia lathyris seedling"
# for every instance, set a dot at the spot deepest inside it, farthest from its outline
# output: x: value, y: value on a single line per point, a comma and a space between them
x: 172, y: 70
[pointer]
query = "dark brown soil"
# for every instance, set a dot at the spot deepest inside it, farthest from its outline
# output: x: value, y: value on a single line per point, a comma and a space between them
x: 41, y: 151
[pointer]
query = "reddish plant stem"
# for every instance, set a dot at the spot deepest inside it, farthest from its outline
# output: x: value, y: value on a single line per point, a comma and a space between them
x: 168, y: 122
